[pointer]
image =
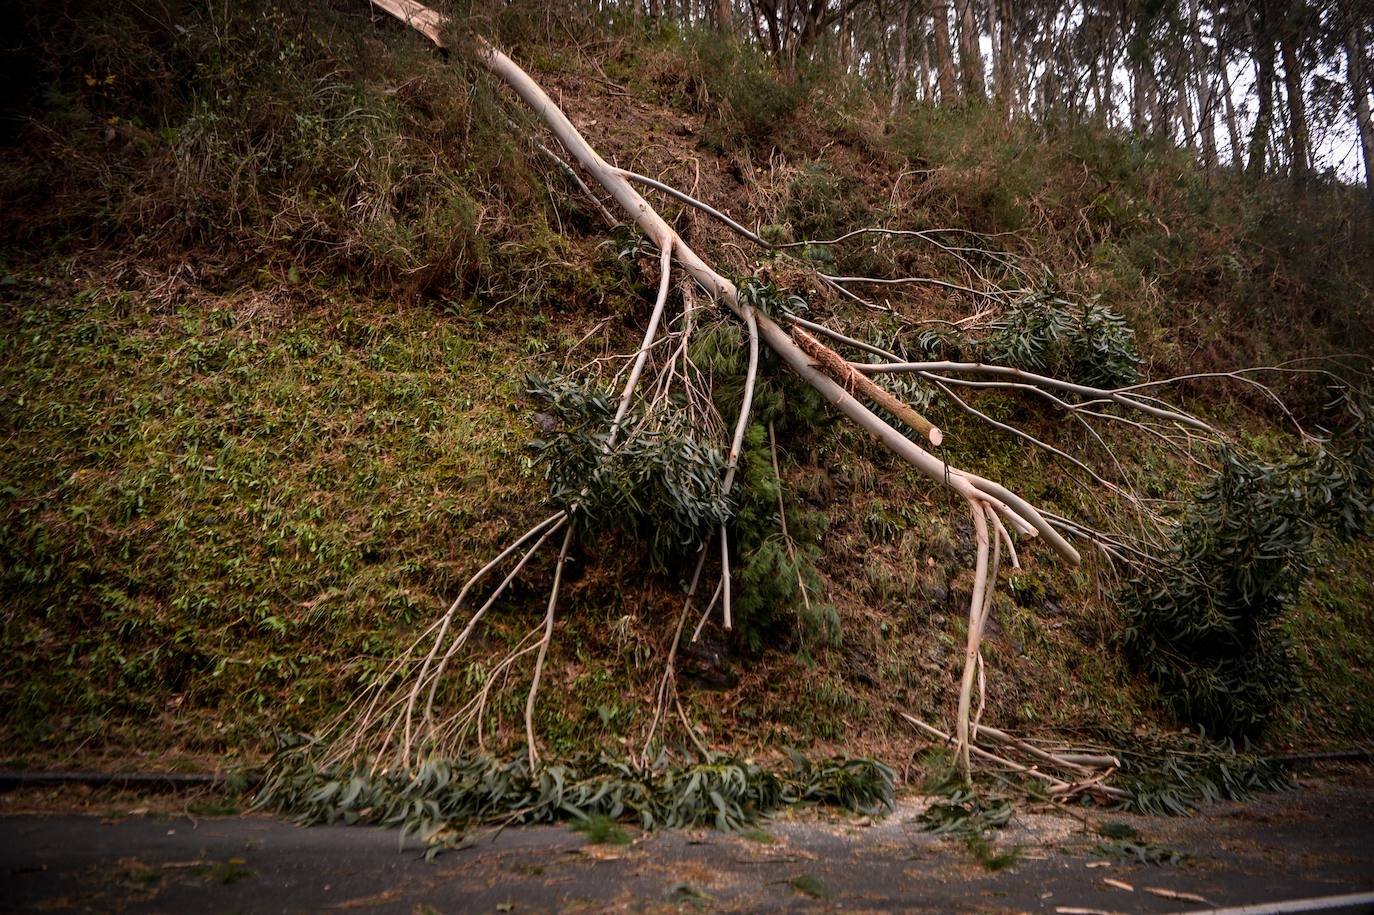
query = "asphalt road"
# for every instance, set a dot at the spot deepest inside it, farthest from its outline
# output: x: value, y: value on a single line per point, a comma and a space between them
x: 1313, y: 842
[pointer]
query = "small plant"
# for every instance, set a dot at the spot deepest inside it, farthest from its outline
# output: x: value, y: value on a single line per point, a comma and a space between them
x: 768, y: 297
x: 225, y: 872
x: 1124, y: 843
x: 600, y: 829
x: 687, y: 894
x: 810, y: 885
x: 1205, y: 628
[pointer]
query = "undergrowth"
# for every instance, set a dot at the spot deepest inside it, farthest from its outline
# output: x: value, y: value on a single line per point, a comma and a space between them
x: 444, y: 798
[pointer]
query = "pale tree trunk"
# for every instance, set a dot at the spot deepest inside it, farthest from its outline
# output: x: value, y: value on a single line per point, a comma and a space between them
x: 1095, y: 86
x: 900, y: 72
x: 970, y: 55
x: 1297, y: 106
x: 1201, y: 88
x: 1207, y: 101
x: 1359, y: 88
x: 1110, y: 56
x: 1185, y: 113
x: 1006, y: 81
x: 944, y: 51
x: 1137, y: 97
x: 725, y: 20
x: 923, y: 68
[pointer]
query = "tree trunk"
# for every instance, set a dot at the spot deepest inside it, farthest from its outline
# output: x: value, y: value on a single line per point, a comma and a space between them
x: 1232, y: 129
x: 1359, y: 88
x: 1185, y: 115
x: 944, y: 52
x: 901, y: 72
x: 923, y: 69
x: 724, y: 16
x: 970, y: 54
x: 1263, y: 48
x: 1137, y: 97
x: 997, y: 36
x: 1205, y: 88
x: 1297, y: 107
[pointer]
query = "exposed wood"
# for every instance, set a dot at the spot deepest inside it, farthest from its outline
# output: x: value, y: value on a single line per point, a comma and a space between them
x: 834, y: 365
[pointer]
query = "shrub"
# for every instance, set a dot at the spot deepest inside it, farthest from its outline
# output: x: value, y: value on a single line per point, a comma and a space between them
x: 269, y: 137
x: 1205, y: 625
x: 747, y: 102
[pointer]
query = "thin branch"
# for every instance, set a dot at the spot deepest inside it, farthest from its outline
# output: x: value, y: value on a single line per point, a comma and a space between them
x: 544, y: 649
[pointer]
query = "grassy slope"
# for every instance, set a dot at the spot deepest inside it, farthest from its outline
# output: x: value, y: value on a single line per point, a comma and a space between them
x: 226, y: 501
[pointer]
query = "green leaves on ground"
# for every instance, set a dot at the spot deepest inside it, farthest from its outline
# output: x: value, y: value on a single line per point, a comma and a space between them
x: 443, y: 797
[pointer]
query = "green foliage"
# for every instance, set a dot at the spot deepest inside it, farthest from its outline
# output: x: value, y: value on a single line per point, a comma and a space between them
x: 972, y: 817
x: 446, y: 796
x: 964, y: 809
x: 1133, y: 851
x: 216, y: 522
x: 1205, y: 625
x: 768, y: 298
x: 810, y: 885
x: 1085, y: 343
x: 1340, y: 479
x: 770, y: 578
x: 265, y: 136
x: 864, y: 785
x: 1123, y: 843
x: 779, y: 589
x: 820, y: 206
x: 1174, y: 777
x: 660, y: 483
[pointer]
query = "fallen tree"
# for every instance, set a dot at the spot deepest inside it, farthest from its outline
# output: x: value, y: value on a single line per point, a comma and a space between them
x: 404, y: 722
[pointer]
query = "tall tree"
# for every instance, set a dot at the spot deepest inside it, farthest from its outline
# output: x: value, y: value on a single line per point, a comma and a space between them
x: 1357, y: 77
x: 970, y: 54
x: 1262, y: 48
x: 944, y: 51
x: 1289, y: 47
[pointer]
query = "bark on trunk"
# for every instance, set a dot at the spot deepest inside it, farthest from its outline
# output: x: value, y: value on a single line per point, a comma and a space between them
x: 1232, y: 128
x: 944, y: 51
x: 901, y: 71
x: 1263, y: 46
x: 970, y: 55
x: 1359, y: 88
x: 1297, y: 106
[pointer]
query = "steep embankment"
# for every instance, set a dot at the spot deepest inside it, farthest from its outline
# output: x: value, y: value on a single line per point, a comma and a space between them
x: 273, y: 287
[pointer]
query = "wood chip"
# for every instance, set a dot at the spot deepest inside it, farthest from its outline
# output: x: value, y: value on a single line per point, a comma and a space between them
x: 1119, y: 884
x: 1075, y: 910
x: 1176, y: 894
x: 1098, y: 864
